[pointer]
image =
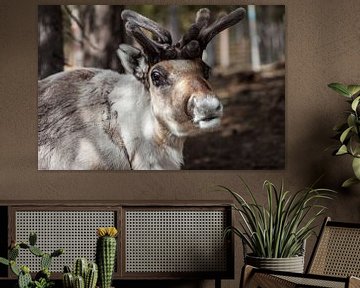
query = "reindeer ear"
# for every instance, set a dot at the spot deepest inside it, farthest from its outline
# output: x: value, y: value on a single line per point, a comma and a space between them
x: 133, y: 61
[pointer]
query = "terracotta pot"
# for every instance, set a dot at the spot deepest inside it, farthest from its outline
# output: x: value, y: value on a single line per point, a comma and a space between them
x: 291, y: 264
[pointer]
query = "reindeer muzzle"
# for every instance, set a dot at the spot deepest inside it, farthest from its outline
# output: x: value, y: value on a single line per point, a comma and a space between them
x: 206, y: 111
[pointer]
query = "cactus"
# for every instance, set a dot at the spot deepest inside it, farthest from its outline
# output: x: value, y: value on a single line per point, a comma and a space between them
x: 67, y: 269
x: 79, y: 282
x: 32, y: 239
x: 68, y: 280
x: 80, y: 267
x: 24, y: 278
x: 57, y: 252
x: 45, y: 261
x: 91, y: 276
x: 24, y: 245
x: 36, y: 251
x: 13, y: 253
x: 87, y: 272
x: 25, y: 269
x: 44, y: 273
x: 106, y: 254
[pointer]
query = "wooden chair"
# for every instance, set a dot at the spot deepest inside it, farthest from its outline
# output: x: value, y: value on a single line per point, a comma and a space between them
x: 334, y: 263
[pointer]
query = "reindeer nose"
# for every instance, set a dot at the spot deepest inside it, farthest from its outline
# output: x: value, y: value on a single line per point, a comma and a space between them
x: 204, y: 107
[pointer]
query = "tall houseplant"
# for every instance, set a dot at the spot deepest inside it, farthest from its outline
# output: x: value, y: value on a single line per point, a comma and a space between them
x: 276, y: 233
x: 348, y: 132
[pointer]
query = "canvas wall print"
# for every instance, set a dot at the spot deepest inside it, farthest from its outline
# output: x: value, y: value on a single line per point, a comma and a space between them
x: 161, y: 87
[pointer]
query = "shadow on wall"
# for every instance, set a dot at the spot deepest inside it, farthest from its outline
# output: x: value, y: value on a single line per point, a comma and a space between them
x: 329, y: 170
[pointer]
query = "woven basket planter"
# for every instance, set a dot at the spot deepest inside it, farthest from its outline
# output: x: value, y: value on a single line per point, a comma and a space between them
x: 291, y: 264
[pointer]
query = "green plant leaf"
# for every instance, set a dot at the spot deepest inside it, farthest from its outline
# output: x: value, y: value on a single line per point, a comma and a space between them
x: 4, y: 261
x: 340, y: 127
x: 349, y: 182
x: 342, y: 150
x: 340, y: 89
x: 351, y: 120
x: 356, y: 167
x: 14, y: 268
x: 248, y: 190
x: 355, y: 103
x: 354, y: 144
x: 242, y: 235
x: 353, y: 89
x: 279, y: 228
x: 345, y: 134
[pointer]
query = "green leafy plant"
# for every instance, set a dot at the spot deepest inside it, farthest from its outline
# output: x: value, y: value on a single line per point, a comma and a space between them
x: 43, y: 283
x: 42, y: 278
x: 279, y: 229
x: 348, y: 132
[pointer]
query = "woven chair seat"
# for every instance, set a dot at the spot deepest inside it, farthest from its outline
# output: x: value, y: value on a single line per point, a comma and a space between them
x: 314, y: 282
x: 335, y: 262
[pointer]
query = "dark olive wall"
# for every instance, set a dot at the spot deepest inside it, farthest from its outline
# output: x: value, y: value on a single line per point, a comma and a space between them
x: 323, y: 46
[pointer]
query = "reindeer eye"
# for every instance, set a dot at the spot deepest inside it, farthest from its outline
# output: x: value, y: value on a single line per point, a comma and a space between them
x: 157, y: 78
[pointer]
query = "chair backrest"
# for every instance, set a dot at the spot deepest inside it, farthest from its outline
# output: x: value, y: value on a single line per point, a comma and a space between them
x: 337, y: 251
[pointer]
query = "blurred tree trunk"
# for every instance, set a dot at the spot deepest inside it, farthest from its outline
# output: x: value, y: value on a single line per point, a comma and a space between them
x: 50, y: 40
x: 103, y: 31
x: 254, y: 39
x: 174, y: 22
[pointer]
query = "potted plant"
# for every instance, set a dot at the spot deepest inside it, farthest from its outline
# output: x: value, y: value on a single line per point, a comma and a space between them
x: 106, y: 254
x: 276, y: 233
x: 348, y: 132
x: 87, y: 274
x: 42, y: 278
x: 84, y: 274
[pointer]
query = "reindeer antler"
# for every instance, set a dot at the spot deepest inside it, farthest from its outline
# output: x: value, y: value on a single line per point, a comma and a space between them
x: 200, y: 33
x: 192, y: 43
x: 157, y: 49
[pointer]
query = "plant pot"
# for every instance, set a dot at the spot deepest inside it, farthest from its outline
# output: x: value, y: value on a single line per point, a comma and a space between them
x: 291, y: 264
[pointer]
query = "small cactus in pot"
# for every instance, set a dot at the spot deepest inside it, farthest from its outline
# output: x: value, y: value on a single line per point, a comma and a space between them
x: 79, y: 282
x: 81, y: 266
x: 68, y: 278
x: 85, y: 275
x: 106, y: 254
x: 91, y: 276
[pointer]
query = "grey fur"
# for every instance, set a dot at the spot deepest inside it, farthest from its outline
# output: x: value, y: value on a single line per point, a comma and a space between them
x: 99, y: 119
x: 73, y: 106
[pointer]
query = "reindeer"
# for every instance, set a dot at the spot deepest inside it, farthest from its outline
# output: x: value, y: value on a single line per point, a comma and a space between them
x: 99, y: 119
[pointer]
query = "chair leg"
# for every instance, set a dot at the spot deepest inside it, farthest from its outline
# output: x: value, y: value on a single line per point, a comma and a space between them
x: 217, y: 283
x: 246, y: 273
